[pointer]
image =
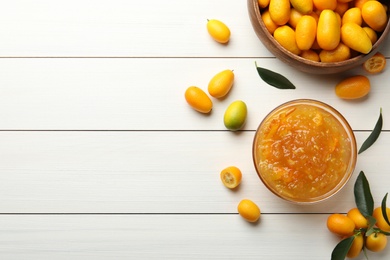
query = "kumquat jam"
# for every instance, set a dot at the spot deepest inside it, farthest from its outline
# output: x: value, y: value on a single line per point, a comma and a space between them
x: 304, y: 151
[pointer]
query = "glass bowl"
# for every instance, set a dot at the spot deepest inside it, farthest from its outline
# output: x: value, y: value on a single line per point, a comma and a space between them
x: 304, y: 151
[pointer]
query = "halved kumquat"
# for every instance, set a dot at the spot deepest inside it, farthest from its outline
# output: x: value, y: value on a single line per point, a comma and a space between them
x: 231, y: 177
x: 375, y: 64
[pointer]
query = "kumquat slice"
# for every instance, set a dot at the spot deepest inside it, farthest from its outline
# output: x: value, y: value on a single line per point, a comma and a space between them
x: 375, y: 64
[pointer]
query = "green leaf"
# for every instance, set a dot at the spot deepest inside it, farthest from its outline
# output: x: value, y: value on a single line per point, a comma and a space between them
x: 342, y: 248
x: 385, y: 233
x: 363, y: 196
x: 374, y: 134
x: 274, y: 79
x: 371, y: 225
x: 384, y: 211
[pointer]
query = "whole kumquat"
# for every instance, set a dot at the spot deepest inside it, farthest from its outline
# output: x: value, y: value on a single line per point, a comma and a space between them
x: 263, y: 3
x: 380, y: 220
x: 371, y: 34
x: 328, y: 30
x: 376, y: 242
x: 303, y: 6
x: 355, y: 37
x: 375, y: 64
x: 218, y: 30
x: 249, y: 210
x: 374, y: 14
x: 353, y: 15
x: 268, y: 22
x: 221, y: 83
x: 357, y: 217
x: 310, y: 55
x: 285, y: 35
x: 353, y: 87
x: 325, y: 4
x: 359, y: 3
x: 340, y: 224
x: 279, y: 11
x: 295, y: 16
x: 341, y: 8
x: 340, y: 53
x: 198, y: 99
x: 235, y: 115
x: 305, y: 32
x: 356, y: 247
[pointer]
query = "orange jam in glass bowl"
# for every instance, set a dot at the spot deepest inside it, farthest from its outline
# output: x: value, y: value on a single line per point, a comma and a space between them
x: 304, y: 151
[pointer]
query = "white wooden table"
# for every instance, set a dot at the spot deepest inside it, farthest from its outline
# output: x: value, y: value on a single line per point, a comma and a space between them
x: 101, y: 157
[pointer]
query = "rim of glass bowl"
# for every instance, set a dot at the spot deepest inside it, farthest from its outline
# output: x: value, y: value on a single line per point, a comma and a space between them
x: 335, y: 113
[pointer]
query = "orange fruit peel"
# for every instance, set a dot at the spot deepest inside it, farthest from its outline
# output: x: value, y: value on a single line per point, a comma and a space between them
x: 249, y: 210
x: 375, y: 64
x: 231, y: 177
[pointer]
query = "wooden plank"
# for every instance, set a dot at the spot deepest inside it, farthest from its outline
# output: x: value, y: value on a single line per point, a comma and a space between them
x: 179, y: 237
x: 148, y: 94
x: 149, y: 172
x: 118, y: 28
x: 121, y: 28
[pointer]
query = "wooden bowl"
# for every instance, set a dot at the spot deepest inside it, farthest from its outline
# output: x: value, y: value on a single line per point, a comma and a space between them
x: 303, y: 64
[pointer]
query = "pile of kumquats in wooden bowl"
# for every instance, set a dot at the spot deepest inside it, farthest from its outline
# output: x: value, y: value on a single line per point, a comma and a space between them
x: 321, y: 36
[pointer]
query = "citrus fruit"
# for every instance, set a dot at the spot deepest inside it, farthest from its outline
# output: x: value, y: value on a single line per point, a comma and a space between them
x: 221, y: 83
x: 353, y: 87
x: 231, y: 177
x: 355, y: 37
x: 340, y: 224
x: 303, y: 6
x: 359, y: 3
x: 356, y: 247
x: 328, y: 30
x: 325, y: 4
x: 380, y: 220
x: 357, y: 217
x: 248, y: 210
x: 268, y: 22
x: 218, y: 31
x: 374, y: 14
x: 375, y: 64
x: 295, y: 16
x: 235, y: 115
x: 376, y: 242
x: 279, y: 11
x: 263, y: 3
x: 310, y: 55
x: 353, y: 15
x: 371, y: 34
x: 305, y: 32
x: 285, y: 35
x: 198, y: 99
x: 340, y: 53
x: 341, y: 8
